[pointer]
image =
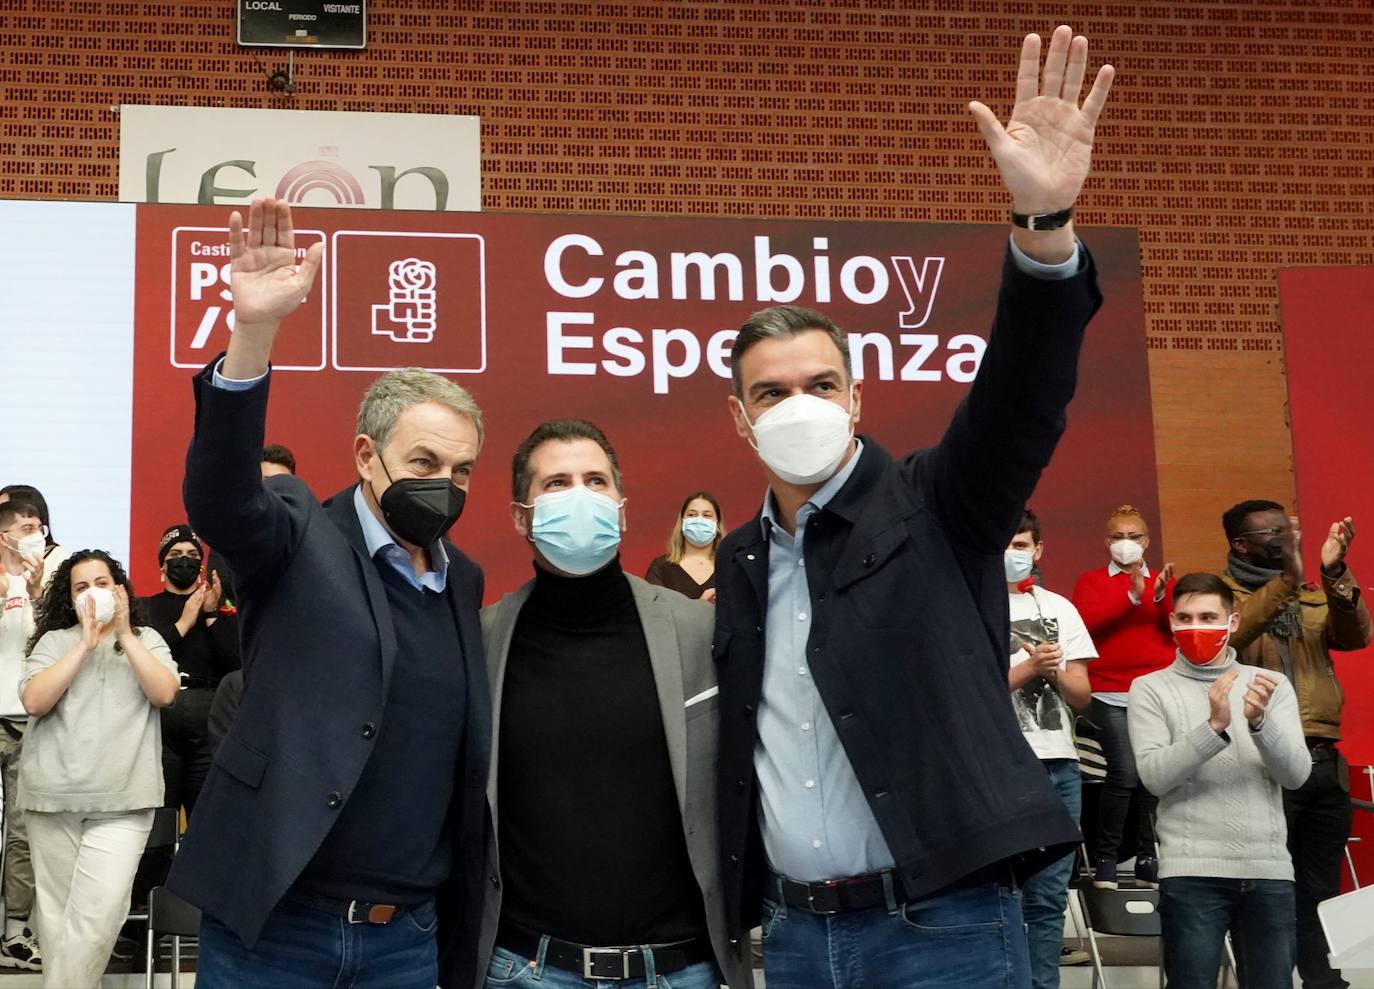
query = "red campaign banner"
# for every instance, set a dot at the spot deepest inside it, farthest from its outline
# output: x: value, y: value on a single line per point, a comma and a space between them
x: 626, y: 321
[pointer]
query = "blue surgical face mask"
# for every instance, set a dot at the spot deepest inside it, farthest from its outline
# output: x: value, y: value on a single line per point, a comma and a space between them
x: 577, y: 530
x: 699, y: 531
x: 1018, y: 564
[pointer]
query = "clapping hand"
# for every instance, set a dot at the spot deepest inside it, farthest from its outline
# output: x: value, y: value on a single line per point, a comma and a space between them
x: 1257, y: 698
x: 1337, y: 544
x: 1219, y: 699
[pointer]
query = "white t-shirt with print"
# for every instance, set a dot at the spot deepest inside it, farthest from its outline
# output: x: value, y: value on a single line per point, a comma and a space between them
x: 16, y: 625
x: 1039, y: 616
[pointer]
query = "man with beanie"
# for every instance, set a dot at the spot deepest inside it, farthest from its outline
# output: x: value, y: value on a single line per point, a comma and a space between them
x: 605, y: 714
x: 1292, y: 625
x: 205, y: 644
x: 1218, y: 743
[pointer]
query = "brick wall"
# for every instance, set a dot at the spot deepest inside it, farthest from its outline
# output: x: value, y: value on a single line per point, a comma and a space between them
x: 1240, y: 139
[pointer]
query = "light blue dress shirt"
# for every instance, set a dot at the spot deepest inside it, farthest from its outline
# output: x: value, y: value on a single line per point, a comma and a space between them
x: 815, y: 817
x: 378, y: 540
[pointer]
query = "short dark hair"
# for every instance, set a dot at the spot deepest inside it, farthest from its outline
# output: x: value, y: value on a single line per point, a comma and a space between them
x: 557, y: 431
x: 30, y: 494
x: 275, y: 453
x: 11, y: 510
x: 1030, y: 522
x: 1205, y: 583
x: 777, y: 322
x: 1234, y: 519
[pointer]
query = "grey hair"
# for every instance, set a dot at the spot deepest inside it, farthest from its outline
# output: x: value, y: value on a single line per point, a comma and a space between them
x: 398, y: 390
x: 778, y: 322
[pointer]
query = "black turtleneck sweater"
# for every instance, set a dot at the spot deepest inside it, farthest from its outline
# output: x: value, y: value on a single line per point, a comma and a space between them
x: 591, y: 840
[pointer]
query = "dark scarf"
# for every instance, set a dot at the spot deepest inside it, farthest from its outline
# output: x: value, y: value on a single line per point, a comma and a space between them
x: 1252, y: 578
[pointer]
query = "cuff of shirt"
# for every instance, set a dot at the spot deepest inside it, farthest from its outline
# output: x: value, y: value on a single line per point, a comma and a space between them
x: 233, y: 384
x: 1049, y: 272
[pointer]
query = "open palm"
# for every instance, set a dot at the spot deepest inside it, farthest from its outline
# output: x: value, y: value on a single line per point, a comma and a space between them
x: 263, y: 276
x: 1045, y: 149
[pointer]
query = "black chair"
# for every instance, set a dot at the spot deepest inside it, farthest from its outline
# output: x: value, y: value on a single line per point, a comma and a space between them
x: 169, y: 914
x: 1126, y: 912
x: 166, y: 833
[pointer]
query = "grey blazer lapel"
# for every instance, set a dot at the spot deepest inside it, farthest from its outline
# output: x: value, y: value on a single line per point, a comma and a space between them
x: 498, y: 627
x: 660, y: 633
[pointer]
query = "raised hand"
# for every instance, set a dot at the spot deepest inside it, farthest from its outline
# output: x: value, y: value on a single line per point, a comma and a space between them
x: 1337, y: 544
x: 1137, y: 572
x: 1219, y: 698
x: 1162, y: 581
x: 191, y: 609
x: 212, y: 592
x: 120, y: 621
x: 1257, y: 698
x: 33, y: 576
x: 265, y: 281
x: 90, y: 628
x: 1045, y: 150
x: 1292, y: 553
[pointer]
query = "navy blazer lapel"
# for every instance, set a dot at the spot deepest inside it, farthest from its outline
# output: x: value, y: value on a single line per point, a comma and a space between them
x: 341, y: 511
x: 751, y: 556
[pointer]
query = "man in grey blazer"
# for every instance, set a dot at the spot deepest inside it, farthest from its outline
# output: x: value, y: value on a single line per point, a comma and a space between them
x: 602, y: 788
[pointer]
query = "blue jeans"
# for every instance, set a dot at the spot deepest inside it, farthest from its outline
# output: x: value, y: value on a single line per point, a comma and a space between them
x: 1046, y: 893
x: 305, y: 948
x: 509, y: 969
x: 1196, y: 912
x: 968, y: 937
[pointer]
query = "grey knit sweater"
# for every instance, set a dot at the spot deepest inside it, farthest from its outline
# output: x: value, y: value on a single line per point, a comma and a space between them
x: 1220, y: 803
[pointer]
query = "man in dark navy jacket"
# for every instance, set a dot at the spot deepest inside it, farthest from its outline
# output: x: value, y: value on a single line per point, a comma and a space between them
x: 875, y: 789
x: 344, y: 820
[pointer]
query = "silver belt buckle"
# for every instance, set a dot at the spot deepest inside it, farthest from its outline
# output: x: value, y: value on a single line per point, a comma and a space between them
x: 589, y: 960
x: 181, y: 678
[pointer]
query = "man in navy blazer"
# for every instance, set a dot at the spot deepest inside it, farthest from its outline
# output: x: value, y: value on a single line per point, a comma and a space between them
x: 340, y: 837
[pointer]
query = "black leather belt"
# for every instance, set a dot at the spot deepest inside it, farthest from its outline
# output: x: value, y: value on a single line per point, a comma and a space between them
x: 188, y: 682
x: 353, y: 911
x: 604, y: 963
x: 866, y: 892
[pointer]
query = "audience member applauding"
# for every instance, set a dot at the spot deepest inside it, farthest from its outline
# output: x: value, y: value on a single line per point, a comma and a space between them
x: 1050, y: 654
x: 1127, y: 615
x: 52, y: 553
x: 205, y: 645
x: 1217, y: 742
x: 92, y: 769
x: 21, y: 578
x: 1290, y: 625
x: 689, y: 566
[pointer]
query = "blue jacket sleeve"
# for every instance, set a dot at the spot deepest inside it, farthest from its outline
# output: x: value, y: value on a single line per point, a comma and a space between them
x: 255, y: 527
x: 1003, y: 434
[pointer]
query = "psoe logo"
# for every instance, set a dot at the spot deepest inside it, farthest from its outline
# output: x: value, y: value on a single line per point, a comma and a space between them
x: 408, y: 315
x: 408, y: 299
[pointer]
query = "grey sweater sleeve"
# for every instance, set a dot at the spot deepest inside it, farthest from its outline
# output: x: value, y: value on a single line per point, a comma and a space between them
x: 1280, y: 739
x: 1163, y: 761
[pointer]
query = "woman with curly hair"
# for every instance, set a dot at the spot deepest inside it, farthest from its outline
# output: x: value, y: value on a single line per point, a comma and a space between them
x: 91, y: 775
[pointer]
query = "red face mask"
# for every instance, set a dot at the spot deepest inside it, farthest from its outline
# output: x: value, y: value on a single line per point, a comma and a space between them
x: 1200, y: 644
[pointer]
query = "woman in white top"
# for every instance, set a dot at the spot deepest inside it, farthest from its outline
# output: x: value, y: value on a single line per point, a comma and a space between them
x: 91, y: 776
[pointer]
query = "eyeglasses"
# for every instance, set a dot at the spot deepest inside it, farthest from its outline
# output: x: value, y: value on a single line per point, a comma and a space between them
x: 1270, y: 532
x: 1116, y: 537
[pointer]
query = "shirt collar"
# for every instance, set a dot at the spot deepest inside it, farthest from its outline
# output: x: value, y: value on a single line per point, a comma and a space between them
x: 1113, y: 569
x: 378, y: 540
x: 817, y: 501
